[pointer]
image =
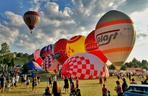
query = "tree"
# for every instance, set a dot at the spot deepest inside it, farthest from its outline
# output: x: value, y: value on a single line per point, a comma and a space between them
x: 112, y: 67
x: 123, y: 67
x: 4, y: 48
x: 6, y: 57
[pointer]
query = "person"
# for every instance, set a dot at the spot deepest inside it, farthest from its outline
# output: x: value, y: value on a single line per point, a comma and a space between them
x: 56, y: 89
x: 78, y: 92
x: 8, y: 84
x: 47, y: 92
x: 70, y: 80
x: 27, y: 82
x: 3, y: 80
x: 38, y: 79
x: 124, y: 85
x: 145, y: 81
x: 104, y: 90
x: 77, y: 82
x: 105, y: 79
x: 118, y: 89
x: 66, y: 84
x: 17, y: 78
x: 34, y: 83
x: 13, y: 81
x: 133, y: 81
x: 49, y: 80
x: 72, y: 89
x: 100, y: 80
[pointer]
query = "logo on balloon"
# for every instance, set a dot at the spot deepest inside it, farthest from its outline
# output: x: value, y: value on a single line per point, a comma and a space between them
x: 105, y: 37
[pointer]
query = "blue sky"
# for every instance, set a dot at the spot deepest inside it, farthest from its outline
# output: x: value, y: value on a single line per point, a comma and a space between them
x: 66, y: 18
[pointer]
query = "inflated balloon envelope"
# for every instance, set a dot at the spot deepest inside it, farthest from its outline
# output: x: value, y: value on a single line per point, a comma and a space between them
x: 116, y: 36
x: 93, y: 48
x: 83, y: 66
x: 31, y: 19
x: 37, y: 57
x: 60, y: 50
x: 75, y: 45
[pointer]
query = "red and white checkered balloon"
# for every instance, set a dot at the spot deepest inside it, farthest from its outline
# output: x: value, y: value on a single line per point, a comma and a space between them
x: 83, y: 66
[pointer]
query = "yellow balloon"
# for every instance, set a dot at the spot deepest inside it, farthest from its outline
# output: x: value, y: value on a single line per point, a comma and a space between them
x: 75, y: 45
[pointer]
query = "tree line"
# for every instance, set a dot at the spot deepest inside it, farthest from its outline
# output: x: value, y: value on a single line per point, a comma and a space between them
x: 135, y: 63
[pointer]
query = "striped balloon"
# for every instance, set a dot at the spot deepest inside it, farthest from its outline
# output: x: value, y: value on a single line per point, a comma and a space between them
x: 31, y: 18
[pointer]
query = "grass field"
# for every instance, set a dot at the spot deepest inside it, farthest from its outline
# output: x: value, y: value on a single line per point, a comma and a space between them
x: 88, y: 88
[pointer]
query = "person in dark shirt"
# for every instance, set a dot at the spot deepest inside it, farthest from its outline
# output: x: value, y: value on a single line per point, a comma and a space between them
x: 47, y: 92
x: 2, y: 83
x: 124, y: 85
x: 66, y: 84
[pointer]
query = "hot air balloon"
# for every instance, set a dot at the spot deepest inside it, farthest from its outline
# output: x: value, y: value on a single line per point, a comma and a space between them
x: 37, y: 57
x: 83, y: 66
x: 115, y: 36
x: 91, y: 46
x: 47, y: 56
x: 75, y: 45
x: 32, y: 65
x: 31, y: 18
x: 43, y: 52
x: 60, y: 50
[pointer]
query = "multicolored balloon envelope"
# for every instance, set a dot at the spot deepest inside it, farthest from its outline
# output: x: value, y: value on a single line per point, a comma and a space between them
x: 92, y: 46
x: 37, y: 57
x: 75, y: 45
x: 83, y: 66
x: 60, y: 50
x: 34, y: 66
x: 31, y: 18
x: 116, y: 36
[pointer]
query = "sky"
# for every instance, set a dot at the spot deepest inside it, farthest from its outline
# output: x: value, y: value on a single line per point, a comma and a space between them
x: 66, y: 18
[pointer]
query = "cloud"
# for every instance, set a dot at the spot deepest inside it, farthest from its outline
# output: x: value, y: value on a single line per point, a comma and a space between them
x: 78, y: 19
x: 14, y: 19
x: 141, y: 27
x: 131, y: 6
x: 8, y: 35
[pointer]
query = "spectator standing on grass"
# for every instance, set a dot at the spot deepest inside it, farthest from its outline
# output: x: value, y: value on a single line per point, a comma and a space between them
x: 34, y: 83
x: 38, y: 79
x: 50, y: 80
x: 77, y: 82
x: 133, y: 81
x: 3, y: 81
x: 27, y: 82
x: 47, y: 92
x: 118, y: 89
x: 124, y: 85
x: 56, y: 89
x: 66, y: 84
x: 104, y: 90
x: 13, y: 81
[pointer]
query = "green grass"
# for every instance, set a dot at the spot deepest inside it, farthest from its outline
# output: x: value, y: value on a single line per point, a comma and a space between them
x: 88, y: 88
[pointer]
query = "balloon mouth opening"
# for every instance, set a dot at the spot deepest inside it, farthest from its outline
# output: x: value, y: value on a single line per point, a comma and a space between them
x: 31, y: 27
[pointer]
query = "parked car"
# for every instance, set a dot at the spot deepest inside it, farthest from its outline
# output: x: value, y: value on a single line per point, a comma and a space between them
x: 136, y: 90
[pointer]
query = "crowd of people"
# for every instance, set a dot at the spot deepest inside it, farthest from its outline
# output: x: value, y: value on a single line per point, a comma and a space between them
x: 71, y: 86
x: 119, y: 88
x: 11, y: 80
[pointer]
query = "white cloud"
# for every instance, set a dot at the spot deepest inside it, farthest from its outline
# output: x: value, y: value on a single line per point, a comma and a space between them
x: 14, y: 19
x: 140, y: 21
x: 8, y: 35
